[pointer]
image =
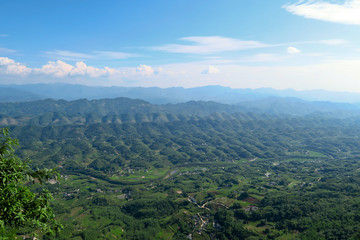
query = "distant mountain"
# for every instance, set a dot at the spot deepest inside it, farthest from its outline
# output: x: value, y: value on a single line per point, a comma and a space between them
x: 313, y: 95
x: 154, y: 95
x: 296, y: 106
x: 9, y: 94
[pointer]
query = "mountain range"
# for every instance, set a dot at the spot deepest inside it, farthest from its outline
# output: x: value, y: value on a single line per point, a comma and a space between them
x: 155, y: 95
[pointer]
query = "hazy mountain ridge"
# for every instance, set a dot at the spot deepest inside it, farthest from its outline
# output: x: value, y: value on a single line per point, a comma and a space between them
x: 10, y: 94
x: 155, y: 95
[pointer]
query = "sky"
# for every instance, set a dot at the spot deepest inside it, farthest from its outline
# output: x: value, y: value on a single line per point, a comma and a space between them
x: 279, y: 44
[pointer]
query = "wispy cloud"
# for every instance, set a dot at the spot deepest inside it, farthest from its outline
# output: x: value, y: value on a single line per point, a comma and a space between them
x: 347, y: 12
x: 262, y: 57
x: 4, y: 35
x: 98, y: 55
x: 334, y: 41
x: 218, y: 44
x: 7, y: 50
x: 210, y: 44
x: 329, y: 42
x: 68, y: 55
x: 114, y: 55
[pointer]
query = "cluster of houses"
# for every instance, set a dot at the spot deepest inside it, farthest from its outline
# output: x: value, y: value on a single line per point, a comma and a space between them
x: 201, y: 221
x: 193, y: 172
x: 71, y: 194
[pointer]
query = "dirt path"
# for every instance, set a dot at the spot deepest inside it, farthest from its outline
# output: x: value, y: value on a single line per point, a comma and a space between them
x: 252, y: 160
x: 171, y: 173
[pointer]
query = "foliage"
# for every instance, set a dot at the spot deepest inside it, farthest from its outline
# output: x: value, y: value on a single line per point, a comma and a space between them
x: 19, y: 206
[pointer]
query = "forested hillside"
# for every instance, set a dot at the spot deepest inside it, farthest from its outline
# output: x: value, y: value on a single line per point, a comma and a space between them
x: 125, y: 110
x: 198, y: 170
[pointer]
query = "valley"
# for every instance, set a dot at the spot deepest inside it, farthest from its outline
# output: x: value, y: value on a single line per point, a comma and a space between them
x: 222, y: 176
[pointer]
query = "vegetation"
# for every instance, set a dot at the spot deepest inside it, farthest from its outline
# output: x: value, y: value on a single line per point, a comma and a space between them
x: 216, y: 176
x: 19, y: 206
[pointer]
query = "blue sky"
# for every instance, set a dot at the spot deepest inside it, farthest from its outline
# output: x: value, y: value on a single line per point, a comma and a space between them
x: 236, y: 43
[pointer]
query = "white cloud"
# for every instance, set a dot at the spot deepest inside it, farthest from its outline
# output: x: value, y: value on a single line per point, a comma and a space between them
x: 62, y: 69
x: 17, y: 69
x: 347, y: 12
x: 210, y: 44
x: 340, y: 75
x: 9, y: 66
x: 82, y: 69
x: 57, y: 69
x: 292, y: 50
x: 6, y: 61
x: 145, y: 70
x: 211, y: 70
x: 112, y: 71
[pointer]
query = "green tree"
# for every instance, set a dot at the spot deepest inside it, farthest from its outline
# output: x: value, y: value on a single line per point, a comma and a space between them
x: 19, y: 206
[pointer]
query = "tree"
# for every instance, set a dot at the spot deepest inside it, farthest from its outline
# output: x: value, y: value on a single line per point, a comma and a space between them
x: 19, y: 206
